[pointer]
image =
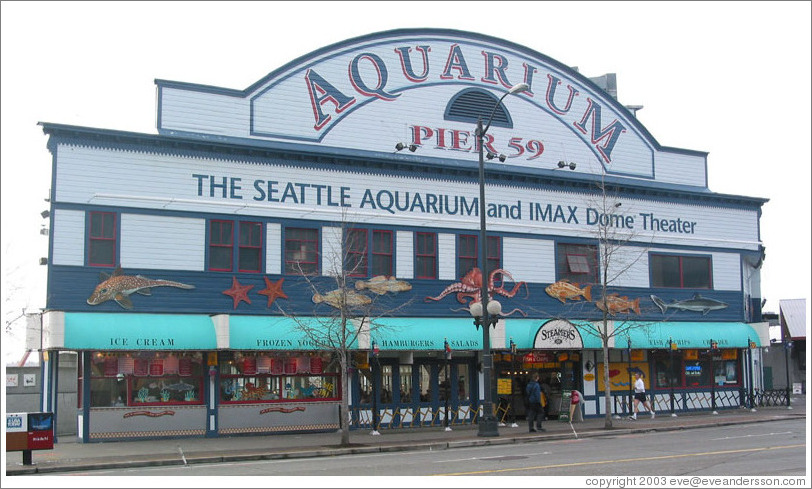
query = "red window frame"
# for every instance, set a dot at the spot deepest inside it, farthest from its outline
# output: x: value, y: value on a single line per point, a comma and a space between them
x: 357, y: 263
x: 426, y: 255
x: 97, y: 239
x: 254, y: 232
x: 290, y: 265
x: 466, y: 262
x: 381, y: 253
x: 220, y: 243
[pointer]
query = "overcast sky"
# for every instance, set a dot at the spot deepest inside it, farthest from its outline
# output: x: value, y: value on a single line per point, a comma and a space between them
x: 728, y: 78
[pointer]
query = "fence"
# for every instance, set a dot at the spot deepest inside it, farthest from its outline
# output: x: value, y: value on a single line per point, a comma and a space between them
x: 703, y: 400
x: 406, y: 416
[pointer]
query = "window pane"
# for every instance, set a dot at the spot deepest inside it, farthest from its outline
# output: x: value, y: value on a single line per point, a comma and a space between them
x: 102, y: 252
x: 221, y: 232
x: 219, y: 258
x: 665, y: 271
x: 467, y: 256
x: 424, y: 378
x: 250, y: 234
x: 577, y: 262
x: 301, y: 250
x: 462, y: 386
x: 405, y: 383
x: 696, y: 272
x: 249, y: 259
x: 381, y: 253
x: 426, y: 255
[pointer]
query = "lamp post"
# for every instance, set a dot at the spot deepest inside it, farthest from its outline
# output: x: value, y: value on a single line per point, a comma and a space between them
x: 750, y: 345
x: 713, y: 376
x: 447, y: 393
x: 488, y: 315
x: 787, y: 346
x: 671, y: 347
x: 514, y: 383
x: 629, y: 354
x: 375, y: 389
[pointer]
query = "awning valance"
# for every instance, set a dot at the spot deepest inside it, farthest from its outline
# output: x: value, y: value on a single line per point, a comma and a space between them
x: 411, y: 334
x: 282, y: 333
x: 687, y: 335
x: 109, y: 331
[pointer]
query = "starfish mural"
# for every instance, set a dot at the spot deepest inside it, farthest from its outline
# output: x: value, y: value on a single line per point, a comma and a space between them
x: 273, y: 290
x: 238, y: 292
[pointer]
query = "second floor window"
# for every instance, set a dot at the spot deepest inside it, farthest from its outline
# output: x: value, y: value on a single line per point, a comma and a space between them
x: 361, y: 263
x: 221, y: 246
x: 468, y: 254
x: 102, y: 239
x: 683, y: 272
x: 577, y: 262
x: 426, y: 255
x: 301, y: 251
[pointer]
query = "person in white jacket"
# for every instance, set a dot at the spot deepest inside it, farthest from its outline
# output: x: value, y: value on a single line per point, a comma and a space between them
x: 640, y: 396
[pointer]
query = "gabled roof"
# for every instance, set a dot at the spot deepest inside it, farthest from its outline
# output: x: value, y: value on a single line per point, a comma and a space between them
x: 793, y: 317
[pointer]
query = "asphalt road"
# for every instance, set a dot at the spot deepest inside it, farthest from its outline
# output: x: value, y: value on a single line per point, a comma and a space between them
x: 759, y: 449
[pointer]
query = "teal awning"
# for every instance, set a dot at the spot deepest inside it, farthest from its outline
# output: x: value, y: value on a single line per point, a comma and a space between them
x: 109, y: 331
x: 687, y: 335
x: 407, y: 334
x: 280, y: 332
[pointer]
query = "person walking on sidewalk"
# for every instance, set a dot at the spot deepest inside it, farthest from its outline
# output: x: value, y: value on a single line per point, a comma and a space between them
x: 640, y: 396
x: 534, y: 407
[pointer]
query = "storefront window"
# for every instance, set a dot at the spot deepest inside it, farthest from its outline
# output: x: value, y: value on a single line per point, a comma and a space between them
x: 145, y: 378
x: 405, y: 383
x: 424, y: 377
x: 463, y: 391
x: 251, y: 377
x: 697, y: 373
x: 386, y: 383
x: 444, y: 378
x: 663, y: 370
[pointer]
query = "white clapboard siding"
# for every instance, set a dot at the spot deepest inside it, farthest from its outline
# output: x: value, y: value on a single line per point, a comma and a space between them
x: 628, y: 266
x: 158, y: 181
x: 404, y: 246
x: 273, y: 248
x: 446, y: 256
x: 69, y: 238
x: 529, y: 260
x: 331, y: 251
x: 163, y: 242
x: 681, y: 169
x: 726, y: 271
x: 210, y: 113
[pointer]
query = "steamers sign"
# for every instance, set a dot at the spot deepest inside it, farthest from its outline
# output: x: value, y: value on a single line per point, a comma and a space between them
x: 558, y: 334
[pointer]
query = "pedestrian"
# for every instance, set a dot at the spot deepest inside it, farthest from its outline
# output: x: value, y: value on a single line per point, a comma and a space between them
x: 534, y: 408
x: 640, y: 396
x: 545, y: 399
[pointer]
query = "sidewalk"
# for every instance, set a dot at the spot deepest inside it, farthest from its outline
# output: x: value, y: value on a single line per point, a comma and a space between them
x: 70, y: 456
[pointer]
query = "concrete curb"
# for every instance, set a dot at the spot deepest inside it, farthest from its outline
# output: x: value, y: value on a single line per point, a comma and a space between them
x: 79, y: 466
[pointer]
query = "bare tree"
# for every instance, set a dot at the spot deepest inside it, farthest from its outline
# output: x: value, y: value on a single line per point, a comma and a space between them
x: 354, y: 304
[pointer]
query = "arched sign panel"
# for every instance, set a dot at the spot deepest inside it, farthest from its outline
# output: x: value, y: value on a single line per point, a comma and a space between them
x: 558, y: 334
x: 423, y: 87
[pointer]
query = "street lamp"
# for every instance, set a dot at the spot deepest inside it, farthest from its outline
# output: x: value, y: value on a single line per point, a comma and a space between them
x: 375, y: 372
x: 514, y: 384
x: 671, y: 348
x: 629, y: 359
x: 713, y: 349
x: 487, y: 423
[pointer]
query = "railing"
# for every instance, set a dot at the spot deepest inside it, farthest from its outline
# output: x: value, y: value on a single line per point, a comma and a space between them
x: 409, y: 416
x: 773, y: 397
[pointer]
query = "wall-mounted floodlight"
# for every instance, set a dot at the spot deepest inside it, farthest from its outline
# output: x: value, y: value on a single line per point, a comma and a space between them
x: 491, y: 156
x: 400, y: 146
x: 564, y: 164
x: 45, y: 213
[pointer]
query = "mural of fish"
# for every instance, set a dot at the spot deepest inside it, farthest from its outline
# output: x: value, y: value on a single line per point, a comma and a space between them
x: 333, y: 298
x: 696, y: 304
x: 118, y: 287
x: 564, y: 289
x: 382, y: 284
x: 616, y: 304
